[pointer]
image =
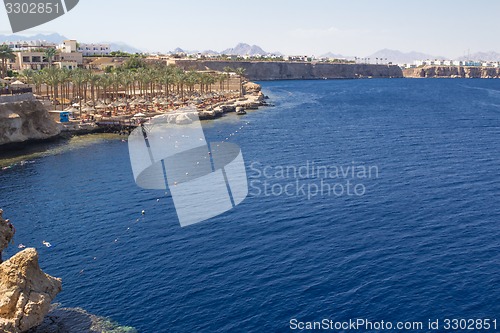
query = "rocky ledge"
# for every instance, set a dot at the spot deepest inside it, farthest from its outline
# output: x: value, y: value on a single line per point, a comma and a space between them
x: 23, y: 118
x: 453, y: 72
x: 26, y: 294
x: 25, y: 291
x: 251, y: 99
x: 284, y: 70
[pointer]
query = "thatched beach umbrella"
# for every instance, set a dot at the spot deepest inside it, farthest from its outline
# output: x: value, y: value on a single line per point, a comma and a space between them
x: 88, y: 109
x: 71, y: 109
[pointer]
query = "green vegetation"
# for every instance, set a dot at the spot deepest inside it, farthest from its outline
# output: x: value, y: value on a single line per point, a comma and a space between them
x: 120, y: 54
x: 131, y: 79
x: 6, y: 54
x: 135, y: 62
x: 50, y: 54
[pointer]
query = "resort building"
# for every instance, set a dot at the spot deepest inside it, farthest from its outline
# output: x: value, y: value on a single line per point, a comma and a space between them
x: 106, y: 62
x: 37, y: 60
x: 66, y: 64
x: 94, y: 49
x: 68, y: 46
x: 419, y: 63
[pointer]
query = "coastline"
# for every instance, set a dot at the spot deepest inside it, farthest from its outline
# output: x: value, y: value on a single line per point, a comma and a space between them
x: 20, y: 153
x: 284, y: 70
x: 452, y: 72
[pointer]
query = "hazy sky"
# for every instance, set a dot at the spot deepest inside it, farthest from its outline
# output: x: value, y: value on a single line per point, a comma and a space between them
x: 349, y: 27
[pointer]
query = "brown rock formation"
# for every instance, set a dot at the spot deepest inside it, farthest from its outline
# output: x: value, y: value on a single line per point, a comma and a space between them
x: 25, y: 119
x: 25, y: 291
x: 251, y: 88
x: 453, y: 72
x: 7, y: 232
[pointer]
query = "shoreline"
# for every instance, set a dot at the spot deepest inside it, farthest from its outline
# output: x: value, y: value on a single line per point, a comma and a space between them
x: 452, y: 72
x: 20, y: 153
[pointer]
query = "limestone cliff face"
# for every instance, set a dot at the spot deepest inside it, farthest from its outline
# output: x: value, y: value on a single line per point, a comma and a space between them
x: 6, y: 233
x: 258, y: 70
x: 452, y: 72
x: 24, y: 119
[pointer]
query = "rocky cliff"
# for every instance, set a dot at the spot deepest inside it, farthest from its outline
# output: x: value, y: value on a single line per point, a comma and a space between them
x: 7, y: 232
x: 25, y: 291
x: 452, y: 72
x: 274, y: 70
x: 22, y: 118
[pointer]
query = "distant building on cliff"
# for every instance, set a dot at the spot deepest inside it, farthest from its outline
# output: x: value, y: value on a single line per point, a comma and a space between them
x: 468, y: 63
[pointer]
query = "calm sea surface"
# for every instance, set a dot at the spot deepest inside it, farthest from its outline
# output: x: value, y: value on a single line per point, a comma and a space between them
x: 418, y: 238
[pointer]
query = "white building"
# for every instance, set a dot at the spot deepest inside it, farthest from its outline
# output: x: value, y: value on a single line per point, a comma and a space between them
x: 68, y: 46
x: 94, y: 49
x: 25, y: 45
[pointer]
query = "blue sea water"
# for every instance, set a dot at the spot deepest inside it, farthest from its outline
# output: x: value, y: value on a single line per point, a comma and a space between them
x: 421, y: 242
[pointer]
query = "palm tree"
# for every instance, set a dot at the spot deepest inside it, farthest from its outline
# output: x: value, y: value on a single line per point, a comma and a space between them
x: 93, y: 80
x: 240, y: 71
x: 105, y: 82
x: 65, y: 80
x: 50, y: 54
x: 221, y: 78
x: 27, y: 75
x: 6, y: 54
x: 180, y: 80
x: 167, y: 78
x: 38, y: 80
x: 79, y: 78
x: 52, y: 80
x: 116, y: 79
x: 228, y: 70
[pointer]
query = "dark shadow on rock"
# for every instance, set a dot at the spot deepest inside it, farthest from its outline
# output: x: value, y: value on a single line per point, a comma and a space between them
x: 75, y: 320
x: 65, y: 321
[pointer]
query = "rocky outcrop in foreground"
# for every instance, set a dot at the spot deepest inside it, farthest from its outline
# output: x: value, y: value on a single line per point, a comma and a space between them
x: 25, y: 291
x: 26, y: 294
x: 452, y: 72
x: 24, y: 119
x: 7, y: 232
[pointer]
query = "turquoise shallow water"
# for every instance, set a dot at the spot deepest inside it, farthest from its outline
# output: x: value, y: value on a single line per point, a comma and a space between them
x: 421, y: 242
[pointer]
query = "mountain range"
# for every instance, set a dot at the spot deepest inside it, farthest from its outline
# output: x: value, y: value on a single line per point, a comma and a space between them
x: 398, y: 57
x: 240, y: 49
x: 485, y: 56
x: 243, y: 49
x: 394, y: 56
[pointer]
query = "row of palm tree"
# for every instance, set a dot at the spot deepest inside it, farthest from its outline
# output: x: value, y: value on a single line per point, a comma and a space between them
x: 6, y: 54
x: 153, y: 81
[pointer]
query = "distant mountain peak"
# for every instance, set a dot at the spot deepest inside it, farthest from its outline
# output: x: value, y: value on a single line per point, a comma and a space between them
x: 245, y: 49
x: 482, y: 56
x: 53, y: 38
x: 332, y: 55
x: 398, y: 57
